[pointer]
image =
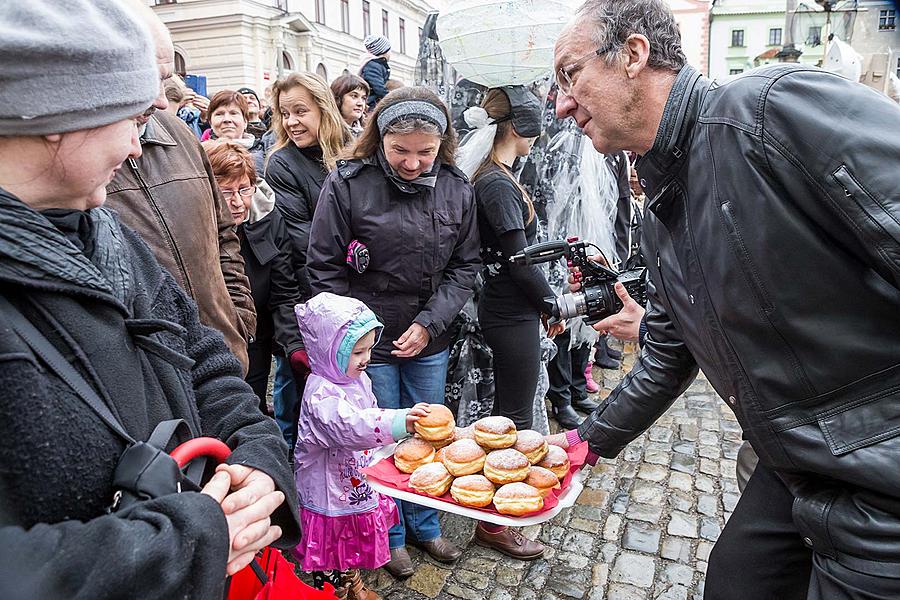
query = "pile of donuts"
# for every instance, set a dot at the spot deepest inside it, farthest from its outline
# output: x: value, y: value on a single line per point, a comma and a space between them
x: 489, y: 461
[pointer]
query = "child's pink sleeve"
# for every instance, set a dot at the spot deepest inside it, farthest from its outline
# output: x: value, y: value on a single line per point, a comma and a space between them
x: 329, y: 420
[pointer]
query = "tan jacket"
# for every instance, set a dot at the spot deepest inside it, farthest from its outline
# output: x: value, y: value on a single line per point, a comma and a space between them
x: 170, y: 197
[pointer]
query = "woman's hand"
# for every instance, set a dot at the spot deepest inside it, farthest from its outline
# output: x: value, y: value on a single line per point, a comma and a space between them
x: 248, y: 509
x: 552, y: 330
x: 411, y: 342
x: 415, y: 413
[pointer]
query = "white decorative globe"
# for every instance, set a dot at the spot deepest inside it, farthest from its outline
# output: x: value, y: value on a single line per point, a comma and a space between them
x: 502, y: 42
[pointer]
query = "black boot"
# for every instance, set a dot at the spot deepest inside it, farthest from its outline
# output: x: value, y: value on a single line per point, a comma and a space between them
x: 565, y: 415
x: 602, y: 356
x: 585, y: 405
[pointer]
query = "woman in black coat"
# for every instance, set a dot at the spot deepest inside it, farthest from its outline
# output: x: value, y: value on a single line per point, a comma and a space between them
x: 266, y: 250
x: 309, y: 133
x: 78, y: 283
x: 400, y: 195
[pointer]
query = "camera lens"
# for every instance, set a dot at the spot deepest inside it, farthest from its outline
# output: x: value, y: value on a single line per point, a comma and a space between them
x: 571, y: 305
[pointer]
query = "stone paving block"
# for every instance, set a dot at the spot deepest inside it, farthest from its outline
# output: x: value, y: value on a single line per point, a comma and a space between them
x: 683, y: 525
x: 642, y: 537
x: 612, y: 528
x: 728, y: 468
x: 479, y: 581
x: 729, y: 485
x: 708, y: 438
x: 478, y: 564
x: 537, y: 573
x: 527, y: 594
x: 703, y: 550
x: 681, y: 481
x: 705, y: 484
x: 710, y: 423
x: 569, y: 582
x: 657, y: 457
x: 626, y: 592
x: 672, y: 592
x: 645, y: 492
x: 683, y: 447
x: 644, y: 512
x: 681, y: 501
x: 632, y: 454
x: 660, y: 434
x: 677, y: 549
x: 585, y: 525
x: 629, y: 470
x: 683, y: 463
x: 709, y: 528
x: 709, y: 467
x: 593, y: 498
x: 676, y: 573
x: 633, y: 569
x: 552, y: 534
x: 729, y: 501
x: 428, y: 580
x: 709, y: 452
x: 591, y: 513
x: 578, y: 541
x: 701, y: 566
x: 707, y: 504
x: 652, y: 472
x: 730, y: 449
x: 573, y: 560
x: 620, y: 502
x: 599, y: 575
x: 508, y: 576
x: 608, y: 552
x: 689, y: 432
x: 458, y: 591
x: 500, y: 593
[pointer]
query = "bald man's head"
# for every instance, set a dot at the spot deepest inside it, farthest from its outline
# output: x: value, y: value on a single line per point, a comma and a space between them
x: 165, y: 53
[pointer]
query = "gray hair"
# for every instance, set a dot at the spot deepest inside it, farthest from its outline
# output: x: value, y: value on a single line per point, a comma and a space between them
x: 614, y: 20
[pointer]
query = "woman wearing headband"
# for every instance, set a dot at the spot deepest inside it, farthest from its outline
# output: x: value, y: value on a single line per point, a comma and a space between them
x: 514, y: 299
x: 399, y: 194
x: 100, y: 346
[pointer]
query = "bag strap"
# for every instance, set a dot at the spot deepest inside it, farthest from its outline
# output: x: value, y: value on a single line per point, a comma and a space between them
x: 41, y: 346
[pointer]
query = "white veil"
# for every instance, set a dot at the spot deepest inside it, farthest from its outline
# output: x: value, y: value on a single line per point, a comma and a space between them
x: 476, y: 146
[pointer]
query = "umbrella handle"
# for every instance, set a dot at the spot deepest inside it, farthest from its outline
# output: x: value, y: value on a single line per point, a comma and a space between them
x: 202, y: 446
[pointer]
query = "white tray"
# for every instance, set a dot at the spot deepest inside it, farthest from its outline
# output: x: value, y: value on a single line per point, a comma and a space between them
x: 565, y: 500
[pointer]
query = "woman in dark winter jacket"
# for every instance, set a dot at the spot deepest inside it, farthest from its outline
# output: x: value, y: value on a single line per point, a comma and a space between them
x: 229, y: 115
x: 399, y: 195
x: 309, y: 133
x: 79, y: 285
x: 266, y: 249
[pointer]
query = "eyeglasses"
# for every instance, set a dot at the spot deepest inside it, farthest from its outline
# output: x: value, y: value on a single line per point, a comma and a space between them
x: 246, y: 192
x: 564, y: 74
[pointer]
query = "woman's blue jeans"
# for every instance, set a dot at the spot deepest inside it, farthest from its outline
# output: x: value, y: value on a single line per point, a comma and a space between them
x: 401, y: 385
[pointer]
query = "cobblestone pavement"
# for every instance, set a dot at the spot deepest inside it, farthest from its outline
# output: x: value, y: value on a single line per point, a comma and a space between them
x: 642, y: 528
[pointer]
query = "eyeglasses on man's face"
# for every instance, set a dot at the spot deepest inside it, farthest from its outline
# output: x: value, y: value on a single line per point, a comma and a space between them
x: 246, y: 192
x: 565, y: 74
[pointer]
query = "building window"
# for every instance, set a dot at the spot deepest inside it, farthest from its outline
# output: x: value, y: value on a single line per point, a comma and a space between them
x: 287, y: 63
x: 737, y: 38
x: 320, y: 11
x: 898, y: 66
x: 402, y: 22
x: 345, y: 16
x: 775, y: 37
x: 735, y: 71
x: 385, y: 30
x: 321, y: 71
x: 814, y: 38
x: 887, y: 20
x: 180, y: 67
x: 367, y: 19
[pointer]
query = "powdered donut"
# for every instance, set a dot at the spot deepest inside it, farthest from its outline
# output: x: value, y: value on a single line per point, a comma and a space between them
x: 432, y: 479
x: 472, y: 490
x: 517, y: 499
x: 437, y: 425
x: 543, y: 480
x: 556, y: 460
x: 412, y: 453
x: 506, y: 466
x: 495, y: 432
x: 464, y: 457
x: 531, y: 444
x: 464, y: 433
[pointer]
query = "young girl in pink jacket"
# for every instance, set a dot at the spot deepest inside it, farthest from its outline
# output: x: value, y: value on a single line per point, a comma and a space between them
x: 345, y: 522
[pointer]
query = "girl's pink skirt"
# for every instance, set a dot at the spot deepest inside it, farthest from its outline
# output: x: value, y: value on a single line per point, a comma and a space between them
x: 357, y: 541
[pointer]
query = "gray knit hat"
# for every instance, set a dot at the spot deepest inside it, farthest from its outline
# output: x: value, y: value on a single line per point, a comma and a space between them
x: 74, y: 65
x: 377, y: 44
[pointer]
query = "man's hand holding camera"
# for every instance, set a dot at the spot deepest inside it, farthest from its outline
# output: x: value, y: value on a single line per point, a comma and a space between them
x: 625, y: 324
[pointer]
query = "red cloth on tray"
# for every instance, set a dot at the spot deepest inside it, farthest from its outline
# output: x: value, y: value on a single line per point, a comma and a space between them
x: 387, y: 474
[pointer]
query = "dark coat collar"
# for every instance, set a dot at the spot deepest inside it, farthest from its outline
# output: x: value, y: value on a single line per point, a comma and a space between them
x: 675, y: 131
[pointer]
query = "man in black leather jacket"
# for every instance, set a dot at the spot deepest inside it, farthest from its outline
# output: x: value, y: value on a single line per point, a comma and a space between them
x: 772, y: 235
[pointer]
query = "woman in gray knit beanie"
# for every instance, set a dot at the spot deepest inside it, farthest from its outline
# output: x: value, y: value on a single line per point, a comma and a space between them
x: 99, y: 345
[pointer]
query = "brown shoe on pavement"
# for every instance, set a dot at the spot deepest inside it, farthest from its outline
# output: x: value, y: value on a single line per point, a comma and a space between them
x: 510, y: 542
x: 400, y: 565
x: 356, y: 589
x: 440, y: 548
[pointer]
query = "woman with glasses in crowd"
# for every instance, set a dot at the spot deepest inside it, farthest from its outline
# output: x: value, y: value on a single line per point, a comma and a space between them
x: 100, y: 346
x: 309, y: 135
x: 266, y: 250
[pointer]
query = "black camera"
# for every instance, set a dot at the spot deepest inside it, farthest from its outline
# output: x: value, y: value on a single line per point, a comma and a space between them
x: 597, y: 298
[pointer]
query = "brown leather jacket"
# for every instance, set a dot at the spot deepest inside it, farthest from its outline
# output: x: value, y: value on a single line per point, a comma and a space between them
x: 170, y: 197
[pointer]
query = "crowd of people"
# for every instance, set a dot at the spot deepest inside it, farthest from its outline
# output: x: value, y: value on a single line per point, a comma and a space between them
x: 161, y: 251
